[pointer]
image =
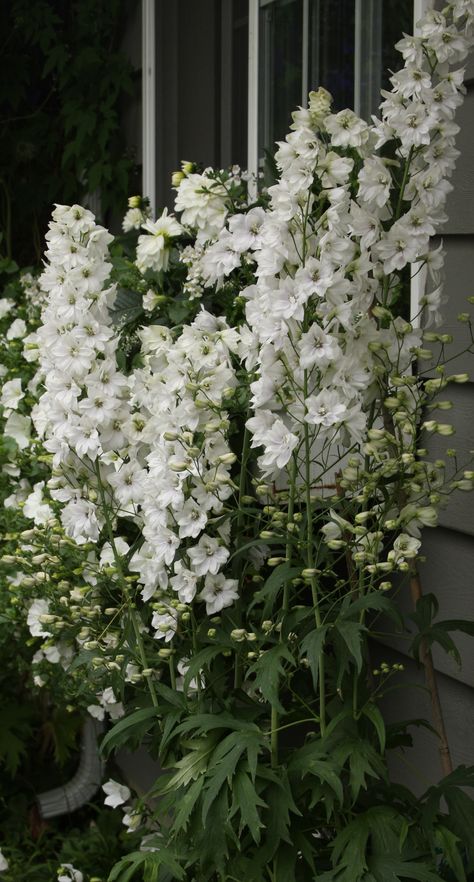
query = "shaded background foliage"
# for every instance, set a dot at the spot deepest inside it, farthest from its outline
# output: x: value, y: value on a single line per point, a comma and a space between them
x: 63, y: 87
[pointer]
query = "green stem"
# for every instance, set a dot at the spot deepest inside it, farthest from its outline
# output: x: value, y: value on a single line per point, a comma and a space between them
x: 289, y: 543
x: 274, y: 737
x: 125, y: 588
x: 310, y: 565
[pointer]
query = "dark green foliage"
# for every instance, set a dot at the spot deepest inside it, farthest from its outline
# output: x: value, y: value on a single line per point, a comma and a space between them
x: 64, y: 79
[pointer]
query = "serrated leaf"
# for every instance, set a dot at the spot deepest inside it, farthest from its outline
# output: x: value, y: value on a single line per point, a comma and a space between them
x: 198, y: 662
x: 269, y: 670
x: 136, y: 724
x: 247, y: 801
x: 351, y: 633
x: 192, y: 764
x: 311, y: 647
x: 186, y: 804
x: 448, y: 843
x: 275, y: 582
x: 372, y: 712
x: 147, y: 861
x: 392, y: 869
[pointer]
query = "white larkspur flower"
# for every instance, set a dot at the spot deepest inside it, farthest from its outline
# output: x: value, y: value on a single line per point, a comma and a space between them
x: 326, y: 409
x: 116, y: 794
x: 68, y: 873
x: 3, y: 862
x: 12, y: 394
x: 37, y: 609
x: 207, y: 556
x: 17, y: 329
x: 218, y: 592
x: 153, y: 250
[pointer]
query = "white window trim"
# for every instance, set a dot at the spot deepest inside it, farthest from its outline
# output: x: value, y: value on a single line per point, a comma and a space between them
x: 149, y: 103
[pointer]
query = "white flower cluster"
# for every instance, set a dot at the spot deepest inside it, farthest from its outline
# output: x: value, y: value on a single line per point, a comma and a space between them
x: 202, y: 200
x: 332, y: 244
x: 83, y: 408
x: 185, y: 478
x: 205, y: 201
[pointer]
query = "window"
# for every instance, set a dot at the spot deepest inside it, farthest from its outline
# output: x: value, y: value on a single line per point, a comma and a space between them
x: 347, y: 46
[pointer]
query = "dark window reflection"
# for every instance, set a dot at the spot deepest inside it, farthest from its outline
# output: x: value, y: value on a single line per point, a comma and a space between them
x: 240, y: 36
x: 331, y: 61
x: 280, y: 52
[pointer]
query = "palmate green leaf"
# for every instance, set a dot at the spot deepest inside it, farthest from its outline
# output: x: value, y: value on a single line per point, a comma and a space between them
x: 269, y: 670
x: 311, y: 647
x: 392, y: 869
x: 193, y: 763
x: 270, y: 590
x: 351, y: 632
x: 364, y: 762
x: 207, y: 722
x: 224, y: 761
x: 186, y: 804
x: 134, y: 725
x: 351, y: 850
x: 15, y: 730
x: 148, y: 863
x: 277, y: 820
x: 377, y: 602
x: 127, y: 307
x: 199, y: 661
x: 371, y: 711
x: 247, y: 801
x: 448, y: 843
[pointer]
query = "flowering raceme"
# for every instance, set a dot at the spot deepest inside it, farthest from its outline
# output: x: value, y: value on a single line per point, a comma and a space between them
x: 192, y: 456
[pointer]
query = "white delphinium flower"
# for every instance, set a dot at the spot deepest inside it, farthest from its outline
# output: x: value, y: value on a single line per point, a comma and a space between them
x: 3, y: 862
x: 68, y: 873
x: 36, y: 508
x: 107, y: 704
x: 36, y: 610
x: 153, y: 250
x: 6, y: 306
x: 207, y: 556
x: 203, y: 203
x: 17, y: 329
x: 84, y: 391
x: 116, y: 794
x: 218, y: 592
x: 11, y: 396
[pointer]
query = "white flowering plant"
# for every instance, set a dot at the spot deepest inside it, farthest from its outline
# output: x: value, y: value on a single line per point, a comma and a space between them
x: 236, y: 407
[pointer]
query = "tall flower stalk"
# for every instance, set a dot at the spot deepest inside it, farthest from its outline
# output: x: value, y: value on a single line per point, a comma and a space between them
x: 248, y: 477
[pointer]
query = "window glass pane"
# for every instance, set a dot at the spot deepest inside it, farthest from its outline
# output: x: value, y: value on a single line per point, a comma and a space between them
x: 240, y: 30
x: 397, y: 19
x: 280, y: 63
x: 331, y: 49
x: 381, y: 26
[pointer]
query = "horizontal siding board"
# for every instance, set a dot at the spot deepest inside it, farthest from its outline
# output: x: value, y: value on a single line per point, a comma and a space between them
x: 460, y: 203
x: 448, y: 573
x: 419, y: 766
x: 459, y: 285
x: 459, y: 513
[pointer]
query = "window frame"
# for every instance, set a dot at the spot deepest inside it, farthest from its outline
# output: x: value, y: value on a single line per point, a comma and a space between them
x: 149, y: 68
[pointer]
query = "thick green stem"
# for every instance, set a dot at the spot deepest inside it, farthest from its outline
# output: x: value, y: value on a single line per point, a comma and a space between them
x: 274, y: 737
x: 310, y: 566
x: 124, y: 585
x: 289, y: 543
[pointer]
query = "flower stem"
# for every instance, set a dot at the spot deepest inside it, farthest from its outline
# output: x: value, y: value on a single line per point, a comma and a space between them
x: 125, y: 587
x: 310, y: 565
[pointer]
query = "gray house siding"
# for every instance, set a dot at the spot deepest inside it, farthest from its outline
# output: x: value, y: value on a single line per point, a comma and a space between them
x: 448, y: 570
